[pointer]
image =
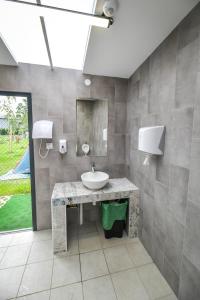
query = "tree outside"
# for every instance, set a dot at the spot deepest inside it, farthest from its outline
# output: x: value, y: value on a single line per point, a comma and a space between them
x: 16, y: 113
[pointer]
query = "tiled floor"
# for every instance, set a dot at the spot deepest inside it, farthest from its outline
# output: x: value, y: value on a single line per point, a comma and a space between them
x: 94, y: 269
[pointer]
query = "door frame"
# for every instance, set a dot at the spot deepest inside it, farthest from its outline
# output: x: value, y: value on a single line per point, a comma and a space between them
x: 31, y: 149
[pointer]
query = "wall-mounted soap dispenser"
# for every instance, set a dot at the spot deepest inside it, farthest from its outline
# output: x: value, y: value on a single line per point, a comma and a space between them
x: 151, y: 141
x: 62, y: 146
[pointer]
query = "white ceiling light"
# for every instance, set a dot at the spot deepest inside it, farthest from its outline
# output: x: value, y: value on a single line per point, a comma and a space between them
x: 52, y: 11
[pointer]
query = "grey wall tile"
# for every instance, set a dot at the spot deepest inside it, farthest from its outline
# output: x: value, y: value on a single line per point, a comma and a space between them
x: 189, y: 281
x: 42, y: 184
x: 181, y: 136
x: 54, y: 97
x: 148, y: 212
x: 196, y: 123
x: 191, y: 248
x: 120, y: 117
x: 187, y: 64
x: 158, y: 242
x: 165, y: 90
x: 171, y: 276
x: 44, y: 214
x: 161, y: 206
x: 174, y: 242
x: 178, y: 190
x: 194, y: 187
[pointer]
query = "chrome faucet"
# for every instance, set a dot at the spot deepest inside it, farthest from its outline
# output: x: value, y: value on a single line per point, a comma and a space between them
x: 93, y: 167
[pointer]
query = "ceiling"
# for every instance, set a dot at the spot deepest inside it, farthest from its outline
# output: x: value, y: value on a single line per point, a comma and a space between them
x: 6, y: 58
x: 139, y: 27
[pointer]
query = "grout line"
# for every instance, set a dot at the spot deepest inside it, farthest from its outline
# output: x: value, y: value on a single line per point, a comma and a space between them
x: 3, y: 255
x: 24, y: 271
x: 51, y: 277
x: 30, y: 294
x: 79, y: 255
x: 110, y: 275
x: 53, y: 288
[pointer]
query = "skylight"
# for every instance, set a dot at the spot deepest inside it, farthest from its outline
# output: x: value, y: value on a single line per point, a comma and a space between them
x: 67, y: 37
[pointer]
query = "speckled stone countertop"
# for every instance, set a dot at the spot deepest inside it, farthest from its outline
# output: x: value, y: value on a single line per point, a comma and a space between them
x: 75, y: 192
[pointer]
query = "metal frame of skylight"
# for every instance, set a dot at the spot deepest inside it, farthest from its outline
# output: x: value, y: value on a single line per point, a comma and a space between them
x: 109, y: 19
x: 44, y: 30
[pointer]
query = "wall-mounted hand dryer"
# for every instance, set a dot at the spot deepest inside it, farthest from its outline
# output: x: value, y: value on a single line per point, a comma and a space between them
x: 42, y: 129
x: 151, y: 140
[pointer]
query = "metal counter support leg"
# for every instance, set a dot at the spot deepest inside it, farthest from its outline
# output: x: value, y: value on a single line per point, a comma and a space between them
x: 59, y: 228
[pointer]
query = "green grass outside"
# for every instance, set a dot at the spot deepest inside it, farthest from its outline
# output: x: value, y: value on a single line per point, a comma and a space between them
x: 8, y: 161
x: 13, y: 187
x: 16, y: 213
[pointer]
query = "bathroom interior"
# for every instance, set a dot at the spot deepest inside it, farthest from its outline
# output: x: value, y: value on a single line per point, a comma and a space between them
x: 113, y: 92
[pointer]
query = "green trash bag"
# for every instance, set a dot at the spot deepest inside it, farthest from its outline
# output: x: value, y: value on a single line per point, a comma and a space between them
x: 113, y: 211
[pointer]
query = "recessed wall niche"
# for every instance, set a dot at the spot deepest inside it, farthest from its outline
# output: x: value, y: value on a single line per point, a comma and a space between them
x: 91, y: 126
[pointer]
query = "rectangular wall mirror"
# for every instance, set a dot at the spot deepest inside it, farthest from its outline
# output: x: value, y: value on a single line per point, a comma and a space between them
x: 91, y: 127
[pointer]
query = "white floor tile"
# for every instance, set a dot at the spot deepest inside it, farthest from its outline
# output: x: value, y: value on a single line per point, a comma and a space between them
x: 128, y: 286
x: 93, y: 264
x: 22, y: 237
x: 42, y: 235
x: 41, y: 250
x: 36, y: 278
x: 70, y: 292
x: 5, y: 239
x: 143, y: 283
x: 89, y: 242
x: 153, y: 281
x: 37, y: 296
x: 170, y: 297
x: 15, y: 256
x: 2, y: 252
x: 118, y: 259
x: 9, y: 282
x: 138, y: 254
x: 66, y: 270
x: 98, y: 289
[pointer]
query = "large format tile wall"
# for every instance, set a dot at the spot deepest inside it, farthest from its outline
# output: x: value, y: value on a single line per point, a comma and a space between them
x: 54, y: 95
x: 165, y: 90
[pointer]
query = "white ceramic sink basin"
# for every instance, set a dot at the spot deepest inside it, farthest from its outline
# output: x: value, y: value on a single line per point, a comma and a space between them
x: 94, y: 180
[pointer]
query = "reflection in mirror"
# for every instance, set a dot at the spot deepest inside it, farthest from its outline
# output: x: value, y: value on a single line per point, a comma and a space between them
x: 91, y: 127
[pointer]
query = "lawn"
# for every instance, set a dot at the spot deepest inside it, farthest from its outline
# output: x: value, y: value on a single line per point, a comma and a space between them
x: 8, y: 161
x: 16, y: 213
x: 13, y: 187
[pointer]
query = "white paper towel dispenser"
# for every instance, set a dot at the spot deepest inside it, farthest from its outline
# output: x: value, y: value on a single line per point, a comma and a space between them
x: 151, y: 140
